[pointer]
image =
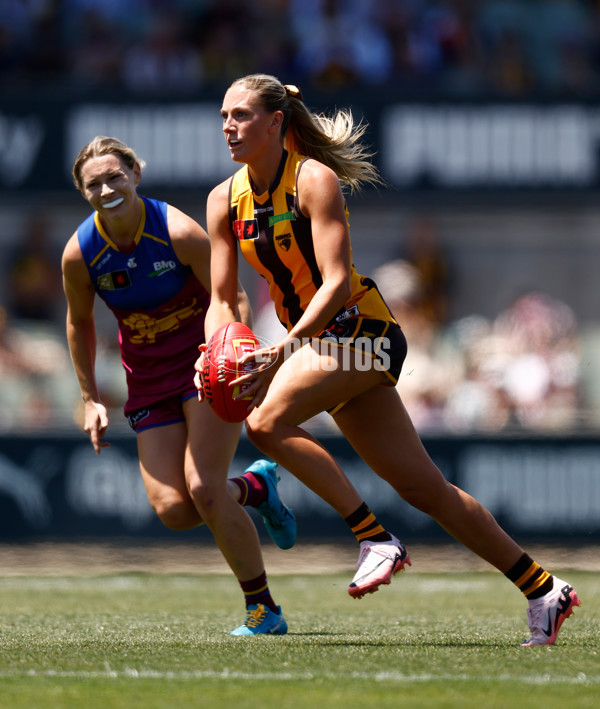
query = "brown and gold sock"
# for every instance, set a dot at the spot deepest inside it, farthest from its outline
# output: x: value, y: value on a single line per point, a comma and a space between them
x: 365, y: 526
x: 529, y: 577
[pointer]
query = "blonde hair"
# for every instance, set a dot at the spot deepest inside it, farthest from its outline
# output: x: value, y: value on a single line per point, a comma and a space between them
x: 102, y: 145
x: 334, y: 140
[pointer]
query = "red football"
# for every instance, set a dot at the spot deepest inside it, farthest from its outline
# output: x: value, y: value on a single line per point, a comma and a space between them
x: 221, y: 366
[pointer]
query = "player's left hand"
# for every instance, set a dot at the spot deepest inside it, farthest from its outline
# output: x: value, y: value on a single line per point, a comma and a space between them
x: 263, y: 364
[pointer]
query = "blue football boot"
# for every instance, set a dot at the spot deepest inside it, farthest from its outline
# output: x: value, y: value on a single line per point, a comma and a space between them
x: 279, y: 519
x: 261, y: 620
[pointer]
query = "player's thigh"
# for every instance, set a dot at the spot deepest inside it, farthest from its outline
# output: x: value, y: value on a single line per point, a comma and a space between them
x: 161, y: 452
x: 315, y: 378
x: 379, y: 428
x: 211, y: 442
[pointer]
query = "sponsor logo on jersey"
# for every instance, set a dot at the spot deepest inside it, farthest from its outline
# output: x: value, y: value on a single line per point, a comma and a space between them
x: 131, y: 263
x: 287, y: 216
x: 161, y: 267
x: 137, y: 416
x: 245, y: 229
x: 103, y: 260
x: 352, y: 312
x: 114, y: 280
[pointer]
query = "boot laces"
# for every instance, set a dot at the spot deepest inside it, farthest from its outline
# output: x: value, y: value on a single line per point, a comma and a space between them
x: 255, y: 616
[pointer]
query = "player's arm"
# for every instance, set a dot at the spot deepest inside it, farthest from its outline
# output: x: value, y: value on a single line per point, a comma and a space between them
x: 321, y: 199
x: 244, y: 309
x: 81, y: 339
x: 224, y: 260
x: 193, y: 248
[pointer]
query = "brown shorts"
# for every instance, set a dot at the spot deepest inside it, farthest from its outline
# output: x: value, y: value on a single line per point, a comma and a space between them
x: 381, y: 342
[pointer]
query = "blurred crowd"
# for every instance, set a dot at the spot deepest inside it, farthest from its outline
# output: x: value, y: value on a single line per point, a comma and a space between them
x: 521, y: 369
x: 511, y: 47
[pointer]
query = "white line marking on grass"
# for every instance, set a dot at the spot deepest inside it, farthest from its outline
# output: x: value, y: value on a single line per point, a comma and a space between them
x: 132, y: 673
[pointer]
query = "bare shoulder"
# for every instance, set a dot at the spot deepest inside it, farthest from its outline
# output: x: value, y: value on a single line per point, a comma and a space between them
x: 75, y: 272
x: 221, y: 189
x: 315, y: 177
x: 188, y: 237
x: 317, y: 184
x: 217, y: 210
x: 72, y: 256
x: 181, y: 224
x: 317, y: 170
x: 219, y: 195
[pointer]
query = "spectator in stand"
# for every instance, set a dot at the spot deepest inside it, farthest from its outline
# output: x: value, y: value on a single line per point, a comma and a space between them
x: 424, y: 251
x: 96, y: 56
x: 35, y: 291
x: 431, y: 368
x: 540, y: 340
x: 32, y: 368
x: 164, y: 59
x: 340, y: 44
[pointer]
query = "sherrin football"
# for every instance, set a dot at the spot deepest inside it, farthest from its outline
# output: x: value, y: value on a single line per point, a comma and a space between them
x: 221, y: 365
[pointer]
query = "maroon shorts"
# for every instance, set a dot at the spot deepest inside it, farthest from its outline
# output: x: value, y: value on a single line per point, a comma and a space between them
x: 161, y: 413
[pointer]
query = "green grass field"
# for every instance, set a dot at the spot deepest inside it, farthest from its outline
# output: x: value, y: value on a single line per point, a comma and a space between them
x: 428, y: 640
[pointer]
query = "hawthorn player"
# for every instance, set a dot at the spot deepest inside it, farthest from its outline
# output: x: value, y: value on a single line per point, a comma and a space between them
x: 284, y: 209
x: 149, y: 262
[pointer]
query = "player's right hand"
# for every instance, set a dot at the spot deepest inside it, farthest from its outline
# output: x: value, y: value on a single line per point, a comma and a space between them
x: 198, y: 376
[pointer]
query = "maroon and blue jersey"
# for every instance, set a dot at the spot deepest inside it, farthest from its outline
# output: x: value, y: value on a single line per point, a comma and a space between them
x: 159, y: 304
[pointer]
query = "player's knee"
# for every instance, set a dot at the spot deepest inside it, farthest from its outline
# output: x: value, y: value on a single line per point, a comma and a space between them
x: 260, y: 428
x: 176, y: 514
x: 205, y: 498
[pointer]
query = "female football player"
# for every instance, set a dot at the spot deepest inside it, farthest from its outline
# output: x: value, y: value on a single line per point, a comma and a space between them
x: 149, y: 262
x: 343, y: 350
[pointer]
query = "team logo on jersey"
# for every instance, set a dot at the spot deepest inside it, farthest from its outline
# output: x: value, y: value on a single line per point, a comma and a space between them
x: 284, y: 241
x: 245, y: 229
x: 114, y: 280
x: 143, y: 328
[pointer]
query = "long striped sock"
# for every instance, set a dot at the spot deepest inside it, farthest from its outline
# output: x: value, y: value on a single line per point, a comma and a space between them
x: 365, y: 526
x: 253, y: 491
x: 257, y: 591
x: 530, y: 578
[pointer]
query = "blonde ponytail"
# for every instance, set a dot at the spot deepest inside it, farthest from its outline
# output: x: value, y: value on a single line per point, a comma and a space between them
x: 335, y: 141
